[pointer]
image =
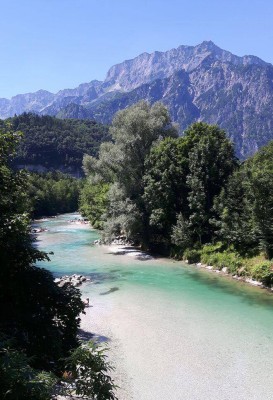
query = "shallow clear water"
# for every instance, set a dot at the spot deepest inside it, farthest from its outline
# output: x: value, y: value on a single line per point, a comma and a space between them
x: 223, y: 326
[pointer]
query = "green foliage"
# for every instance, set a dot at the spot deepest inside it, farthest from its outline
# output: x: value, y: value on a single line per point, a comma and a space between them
x: 260, y: 175
x: 234, y: 205
x: 90, y: 373
x: 181, y: 193
x: 211, y: 161
x: 18, y: 380
x: 166, y: 192
x: 245, y: 206
x: 183, y: 178
x: 122, y: 164
x: 227, y: 258
x: 53, y: 193
x: 93, y: 202
x: 263, y: 272
x: 192, y: 256
x: 41, y: 316
x: 181, y: 233
x: 55, y: 143
x: 39, y: 320
x: 262, y: 189
x: 123, y: 216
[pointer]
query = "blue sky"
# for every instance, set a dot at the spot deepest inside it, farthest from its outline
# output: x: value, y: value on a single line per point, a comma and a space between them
x: 56, y: 44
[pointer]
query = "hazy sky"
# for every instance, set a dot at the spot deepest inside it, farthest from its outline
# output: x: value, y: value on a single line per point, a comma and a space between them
x: 56, y: 44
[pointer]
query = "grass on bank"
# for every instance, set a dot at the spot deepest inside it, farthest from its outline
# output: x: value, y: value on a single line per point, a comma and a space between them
x: 255, y: 267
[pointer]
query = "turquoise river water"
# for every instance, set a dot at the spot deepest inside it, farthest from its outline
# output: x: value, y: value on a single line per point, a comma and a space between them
x: 174, y: 331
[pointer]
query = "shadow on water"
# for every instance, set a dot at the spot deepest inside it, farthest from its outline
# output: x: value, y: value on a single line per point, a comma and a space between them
x: 99, y: 277
x: 251, y: 295
x: 124, y: 273
x: 86, y: 336
x: 114, y: 289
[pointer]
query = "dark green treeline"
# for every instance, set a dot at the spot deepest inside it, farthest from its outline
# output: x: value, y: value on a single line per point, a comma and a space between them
x: 54, y: 143
x: 186, y: 196
x: 52, y: 193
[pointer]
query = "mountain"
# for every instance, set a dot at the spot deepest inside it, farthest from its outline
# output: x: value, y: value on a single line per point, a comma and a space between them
x: 200, y: 82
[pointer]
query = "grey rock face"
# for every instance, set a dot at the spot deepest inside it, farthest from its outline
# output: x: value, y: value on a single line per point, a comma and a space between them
x: 200, y: 82
x: 148, y: 67
x: 43, y: 102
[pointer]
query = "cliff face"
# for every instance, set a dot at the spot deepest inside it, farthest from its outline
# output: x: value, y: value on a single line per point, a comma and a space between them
x: 196, y: 83
x: 148, y: 67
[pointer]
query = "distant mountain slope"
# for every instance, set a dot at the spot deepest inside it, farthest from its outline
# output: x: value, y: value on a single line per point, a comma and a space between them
x: 200, y: 82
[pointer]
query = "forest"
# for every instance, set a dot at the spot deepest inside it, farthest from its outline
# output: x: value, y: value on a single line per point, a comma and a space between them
x: 55, y: 143
x: 188, y: 197
x: 52, y: 193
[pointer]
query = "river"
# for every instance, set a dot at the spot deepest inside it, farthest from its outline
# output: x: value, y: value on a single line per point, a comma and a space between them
x: 174, y: 332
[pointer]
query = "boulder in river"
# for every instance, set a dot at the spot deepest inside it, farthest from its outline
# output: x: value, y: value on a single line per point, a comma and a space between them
x: 73, y: 280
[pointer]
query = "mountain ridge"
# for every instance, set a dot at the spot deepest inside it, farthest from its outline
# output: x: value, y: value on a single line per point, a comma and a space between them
x: 202, y: 82
x: 85, y: 86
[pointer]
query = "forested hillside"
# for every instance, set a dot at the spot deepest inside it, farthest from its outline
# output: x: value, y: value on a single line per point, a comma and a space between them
x: 52, y: 143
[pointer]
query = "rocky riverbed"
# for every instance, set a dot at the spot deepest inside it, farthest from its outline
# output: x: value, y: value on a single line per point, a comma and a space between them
x: 73, y: 280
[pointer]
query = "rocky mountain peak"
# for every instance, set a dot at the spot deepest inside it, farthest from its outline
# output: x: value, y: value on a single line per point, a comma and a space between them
x: 196, y: 83
x: 157, y: 65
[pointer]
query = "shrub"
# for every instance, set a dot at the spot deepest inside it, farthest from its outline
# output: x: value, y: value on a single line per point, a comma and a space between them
x: 191, y: 255
x: 263, y: 272
x: 219, y: 260
x: 89, y: 373
x: 20, y: 381
x: 176, y: 252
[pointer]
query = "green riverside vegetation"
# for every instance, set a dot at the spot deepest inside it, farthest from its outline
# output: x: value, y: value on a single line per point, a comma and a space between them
x: 52, y: 193
x: 40, y: 354
x: 188, y: 197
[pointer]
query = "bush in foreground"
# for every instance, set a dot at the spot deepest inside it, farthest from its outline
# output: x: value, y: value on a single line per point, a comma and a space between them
x: 88, y: 373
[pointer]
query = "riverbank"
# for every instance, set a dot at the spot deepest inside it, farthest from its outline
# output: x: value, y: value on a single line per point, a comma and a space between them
x: 129, y: 250
x: 224, y: 272
x: 180, y: 346
x: 173, y: 331
x: 119, y: 246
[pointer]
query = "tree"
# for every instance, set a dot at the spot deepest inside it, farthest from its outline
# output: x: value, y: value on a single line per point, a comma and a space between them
x: 234, y: 213
x: 183, y: 177
x: 42, y: 317
x: 166, y: 191
x: 93, y: 202
x: 211, y: 161
x: 181, y: 235
x: 245, y: 206
x: 52, y: 193
x: 262, y: 189
x: 134, y: 131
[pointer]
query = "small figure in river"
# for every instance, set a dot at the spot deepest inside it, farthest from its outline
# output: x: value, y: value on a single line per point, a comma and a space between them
x: 86, y: 302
